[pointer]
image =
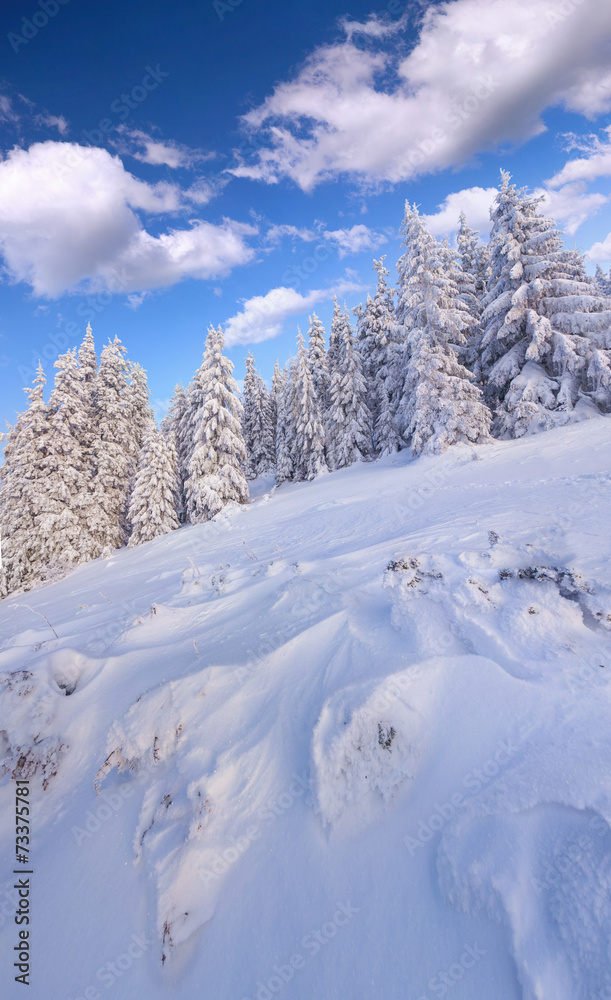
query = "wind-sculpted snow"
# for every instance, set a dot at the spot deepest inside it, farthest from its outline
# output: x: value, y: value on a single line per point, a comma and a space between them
x: 366, y: 742
x: 30, y: 745
x: 382, y: 697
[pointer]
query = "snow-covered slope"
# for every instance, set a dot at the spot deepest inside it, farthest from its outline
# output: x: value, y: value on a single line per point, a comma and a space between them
x: 349, y: 740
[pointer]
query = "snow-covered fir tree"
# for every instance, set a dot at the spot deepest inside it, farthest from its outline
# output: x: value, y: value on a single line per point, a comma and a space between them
x: 67, y: 523
x: 88, y: 364
x: 317, y: 361
x: 441, y: 405
x: 333, y: 351
x: 349, y: 419
x: 216, y: 474
x: 140, y: 410
x: 258, y: 423
x: 546, y: 323
x: 22, y: 493
x: 251, y: 417
x: 309, y: 440
x: 113, y: 450
x: 172, y: 427
x: 474, y: 257
x: 381, y: 352
x: 603, y: 280
x: 153, y: 508
x: 267, y: 408
x: 282, y: 394
x: 471, y: 275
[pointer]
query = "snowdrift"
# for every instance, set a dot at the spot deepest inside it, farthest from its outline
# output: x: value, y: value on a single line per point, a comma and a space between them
x: 349, y: 739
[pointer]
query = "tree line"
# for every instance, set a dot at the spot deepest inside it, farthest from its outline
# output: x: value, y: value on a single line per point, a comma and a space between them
x: 476, y: 340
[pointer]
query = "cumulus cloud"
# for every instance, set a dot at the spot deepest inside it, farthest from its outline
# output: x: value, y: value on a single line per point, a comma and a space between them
x: 600, y: 253
x: 482, y: 72
x: 262, y: 317
x: 475, y: 202
x: 570, y: 205
x: 68, y: 219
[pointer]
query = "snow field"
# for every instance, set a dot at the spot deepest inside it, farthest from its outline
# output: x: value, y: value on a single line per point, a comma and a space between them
x: 386, y: 690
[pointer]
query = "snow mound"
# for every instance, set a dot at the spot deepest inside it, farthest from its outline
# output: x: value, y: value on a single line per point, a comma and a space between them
x: 533, y: 852
x: 368, y: 740
x: 359, y: 750
x: 30, y: 745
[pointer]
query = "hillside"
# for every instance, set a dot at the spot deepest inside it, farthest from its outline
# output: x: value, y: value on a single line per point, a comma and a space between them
x: 349, y: 740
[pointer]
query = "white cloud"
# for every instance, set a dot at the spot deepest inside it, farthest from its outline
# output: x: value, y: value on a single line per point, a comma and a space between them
x: 46, y: 120
x: 354, y: 240
x: 262, y: 317
x: 600, y: 253
x: 148, y: 149
x: 587, y: 168
x: 275, y: 234
x: 135, y: 300
x: 346, y: 241
x: 475, y: 202
x: 7, y: 113
x: 68, y: 219
x: 481, y: 73
x: 374, y: 27
x: 571, y: 205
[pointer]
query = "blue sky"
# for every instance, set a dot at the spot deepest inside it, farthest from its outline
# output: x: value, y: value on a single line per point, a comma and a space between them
x: 167, y: 165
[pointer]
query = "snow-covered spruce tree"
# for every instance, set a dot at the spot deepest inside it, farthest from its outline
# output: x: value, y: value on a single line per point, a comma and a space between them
x: 317, y: 361
x: 219, y: 455
x: 267, y: 460
x: 309, y: 441
x: 113, y: 450
x: 88, y: 364
x: 282, y: 393
x: 440, y: 404
x: 471, y: 273
x: 153, y: 508
x: 258, y: 427
x: 251, y: 417
x: 332, y: 353
x: 546, y: 323
x: 172, y: 427
x: 68, y: 519
x: 349, y: 420
x: 140, y: 410
x: 474, y: 257
x: 381, y: 353
x: 603, y: 281
x: 22, y: 499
